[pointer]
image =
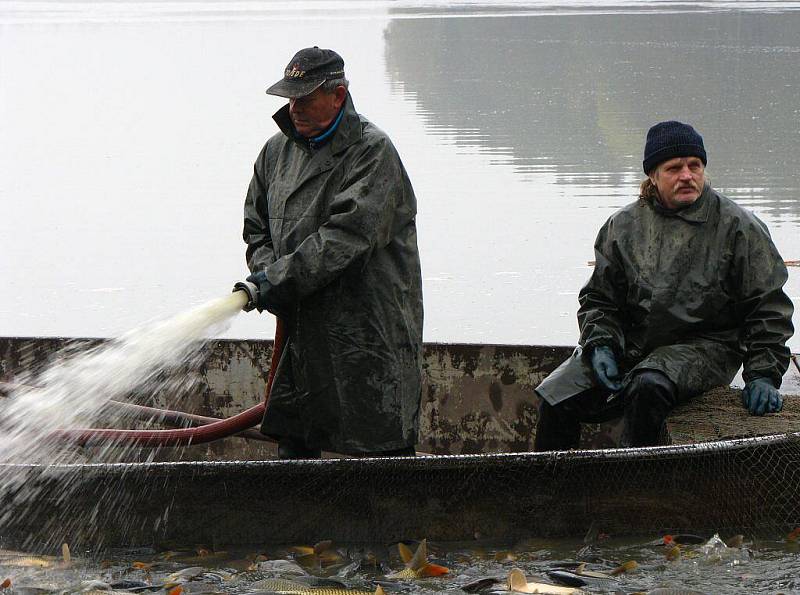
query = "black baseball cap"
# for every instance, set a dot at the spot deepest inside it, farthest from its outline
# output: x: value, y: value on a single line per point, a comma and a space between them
x: 306, y: 71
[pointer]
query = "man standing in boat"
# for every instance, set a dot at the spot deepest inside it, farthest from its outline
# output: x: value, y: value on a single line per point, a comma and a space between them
x: 686, y: 287
x: 329, y: 222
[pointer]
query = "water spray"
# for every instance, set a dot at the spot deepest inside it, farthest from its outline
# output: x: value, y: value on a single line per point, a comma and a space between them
x: 244, y: 297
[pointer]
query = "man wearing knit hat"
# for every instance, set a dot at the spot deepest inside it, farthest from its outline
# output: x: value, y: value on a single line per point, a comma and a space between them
x: 687, y: 287
x: 330, y: 227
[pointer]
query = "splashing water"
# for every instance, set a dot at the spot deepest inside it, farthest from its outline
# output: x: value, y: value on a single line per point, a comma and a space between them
x: 73, y: 391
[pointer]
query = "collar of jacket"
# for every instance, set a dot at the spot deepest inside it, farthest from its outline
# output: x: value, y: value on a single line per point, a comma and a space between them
x: 347, y: 133
x: 697, y: 212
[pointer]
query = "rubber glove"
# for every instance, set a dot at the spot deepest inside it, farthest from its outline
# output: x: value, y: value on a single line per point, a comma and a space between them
x: 265, y: 300
x: 604, y: 365
x: 760, y: 396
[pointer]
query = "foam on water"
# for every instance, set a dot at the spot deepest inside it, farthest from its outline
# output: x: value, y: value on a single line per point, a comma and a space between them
x: 74, y: 390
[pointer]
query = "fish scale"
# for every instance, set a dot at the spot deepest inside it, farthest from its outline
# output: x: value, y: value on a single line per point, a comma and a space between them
x: 287, y: 587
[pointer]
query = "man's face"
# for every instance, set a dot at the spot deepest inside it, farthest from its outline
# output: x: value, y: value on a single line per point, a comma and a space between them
x: 312, y: 114
x: 679, y: 181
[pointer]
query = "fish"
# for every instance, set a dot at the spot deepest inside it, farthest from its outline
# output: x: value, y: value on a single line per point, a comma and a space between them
x: 505, y: 556
x: 28, y: 561
x: 517, y: 583
x: 681, y: 539
x: 628, y: 566
x: 735, y: 541
x: 186, y: 574
x: 282, y: 567
x: 674, y: 553
x: 320, y: 555
x: 581, y: 577
x: 282, y: 586
x: 201, y: 556
x: 24, y: 560
x: 417, y: 565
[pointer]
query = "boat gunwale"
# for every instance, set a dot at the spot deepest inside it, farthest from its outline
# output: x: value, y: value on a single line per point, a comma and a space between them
x: 593, y: 455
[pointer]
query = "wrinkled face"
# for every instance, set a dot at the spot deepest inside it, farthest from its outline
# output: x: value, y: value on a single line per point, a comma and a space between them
x: 312, y: 114
x: 679, y: 181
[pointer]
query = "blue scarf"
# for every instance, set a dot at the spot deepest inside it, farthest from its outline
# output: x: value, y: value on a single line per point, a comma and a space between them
x: 320, y: 140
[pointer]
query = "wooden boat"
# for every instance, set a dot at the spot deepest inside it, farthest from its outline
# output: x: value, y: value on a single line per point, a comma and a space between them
x: 723, y: 471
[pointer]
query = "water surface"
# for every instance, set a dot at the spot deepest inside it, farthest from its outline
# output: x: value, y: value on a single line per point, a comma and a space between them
x: 130, y: 128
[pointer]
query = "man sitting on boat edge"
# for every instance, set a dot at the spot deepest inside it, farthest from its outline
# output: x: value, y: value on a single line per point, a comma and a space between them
x: 687, y: 287
x: 330, y: 227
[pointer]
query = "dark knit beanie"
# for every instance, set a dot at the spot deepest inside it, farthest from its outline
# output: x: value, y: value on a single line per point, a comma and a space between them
x: 667, y: 140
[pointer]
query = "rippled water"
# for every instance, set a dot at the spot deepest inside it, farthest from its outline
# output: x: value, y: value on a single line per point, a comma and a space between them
x: 760, y: 566
x: 130, y: 128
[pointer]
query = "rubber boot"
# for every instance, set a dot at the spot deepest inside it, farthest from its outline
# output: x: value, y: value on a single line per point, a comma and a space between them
x: 557, y: 429
x: 293, y: 448
x: 649, y: 397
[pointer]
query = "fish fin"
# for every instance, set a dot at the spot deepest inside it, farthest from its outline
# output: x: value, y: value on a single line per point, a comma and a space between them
x: 420, y: 559
x: 303, y: 550
x: 321, y: 546
x: 178, y: 590
x: 405, y: 552
x: 581, y: 567
x: 65, y: 554
x: 379, y: 591
x: 7, y: 583
x: 517, y: 580
x: 433, y: 570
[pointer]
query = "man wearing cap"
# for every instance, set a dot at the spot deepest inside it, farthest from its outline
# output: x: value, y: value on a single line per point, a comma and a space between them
x: 329, y: 222
x: 687, y: 286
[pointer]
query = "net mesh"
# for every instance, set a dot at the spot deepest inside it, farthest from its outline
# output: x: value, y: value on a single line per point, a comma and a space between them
x: 723, y: 473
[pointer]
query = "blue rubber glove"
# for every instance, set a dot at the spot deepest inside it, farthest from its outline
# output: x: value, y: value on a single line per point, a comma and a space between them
x: 604, y: 365
x: 760, y: 396
x: 266, y: 298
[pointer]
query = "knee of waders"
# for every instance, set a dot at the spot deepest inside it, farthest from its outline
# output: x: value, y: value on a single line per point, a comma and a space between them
x: 653, y: 387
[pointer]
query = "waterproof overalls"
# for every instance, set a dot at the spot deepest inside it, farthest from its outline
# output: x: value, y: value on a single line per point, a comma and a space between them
x: 334, y: 228
x: 683, y: 298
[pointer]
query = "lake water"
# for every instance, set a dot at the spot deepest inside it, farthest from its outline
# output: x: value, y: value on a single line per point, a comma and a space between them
x: 129, y: 130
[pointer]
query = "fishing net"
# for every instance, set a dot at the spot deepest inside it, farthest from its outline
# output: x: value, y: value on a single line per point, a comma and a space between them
x: 724, y: 472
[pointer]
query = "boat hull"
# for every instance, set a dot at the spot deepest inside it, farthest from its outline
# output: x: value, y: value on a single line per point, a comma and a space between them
x: 503, y: 497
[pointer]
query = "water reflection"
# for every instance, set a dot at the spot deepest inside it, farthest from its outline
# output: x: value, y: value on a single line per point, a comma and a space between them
x: 573, y: 95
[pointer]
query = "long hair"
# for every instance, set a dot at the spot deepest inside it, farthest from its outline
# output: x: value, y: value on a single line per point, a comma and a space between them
x: 648, y: 190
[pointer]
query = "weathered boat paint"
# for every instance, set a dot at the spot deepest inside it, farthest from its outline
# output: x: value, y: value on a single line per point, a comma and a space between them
x: 476, y: 398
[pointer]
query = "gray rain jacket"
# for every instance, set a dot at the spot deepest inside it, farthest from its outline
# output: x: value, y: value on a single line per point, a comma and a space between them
x: 334, y: 229
x: 691, y: 293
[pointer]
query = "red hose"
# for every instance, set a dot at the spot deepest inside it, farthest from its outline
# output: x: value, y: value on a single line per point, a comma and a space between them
x: 181, y: 437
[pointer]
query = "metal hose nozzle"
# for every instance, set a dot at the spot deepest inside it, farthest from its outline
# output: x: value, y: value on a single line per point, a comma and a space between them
x: 251, y: 289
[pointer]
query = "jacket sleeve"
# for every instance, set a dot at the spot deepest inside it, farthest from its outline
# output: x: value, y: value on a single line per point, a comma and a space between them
x: 763, y: 309
x: 602, y: 299
x: 372, y: 204
x: 256, y: 232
